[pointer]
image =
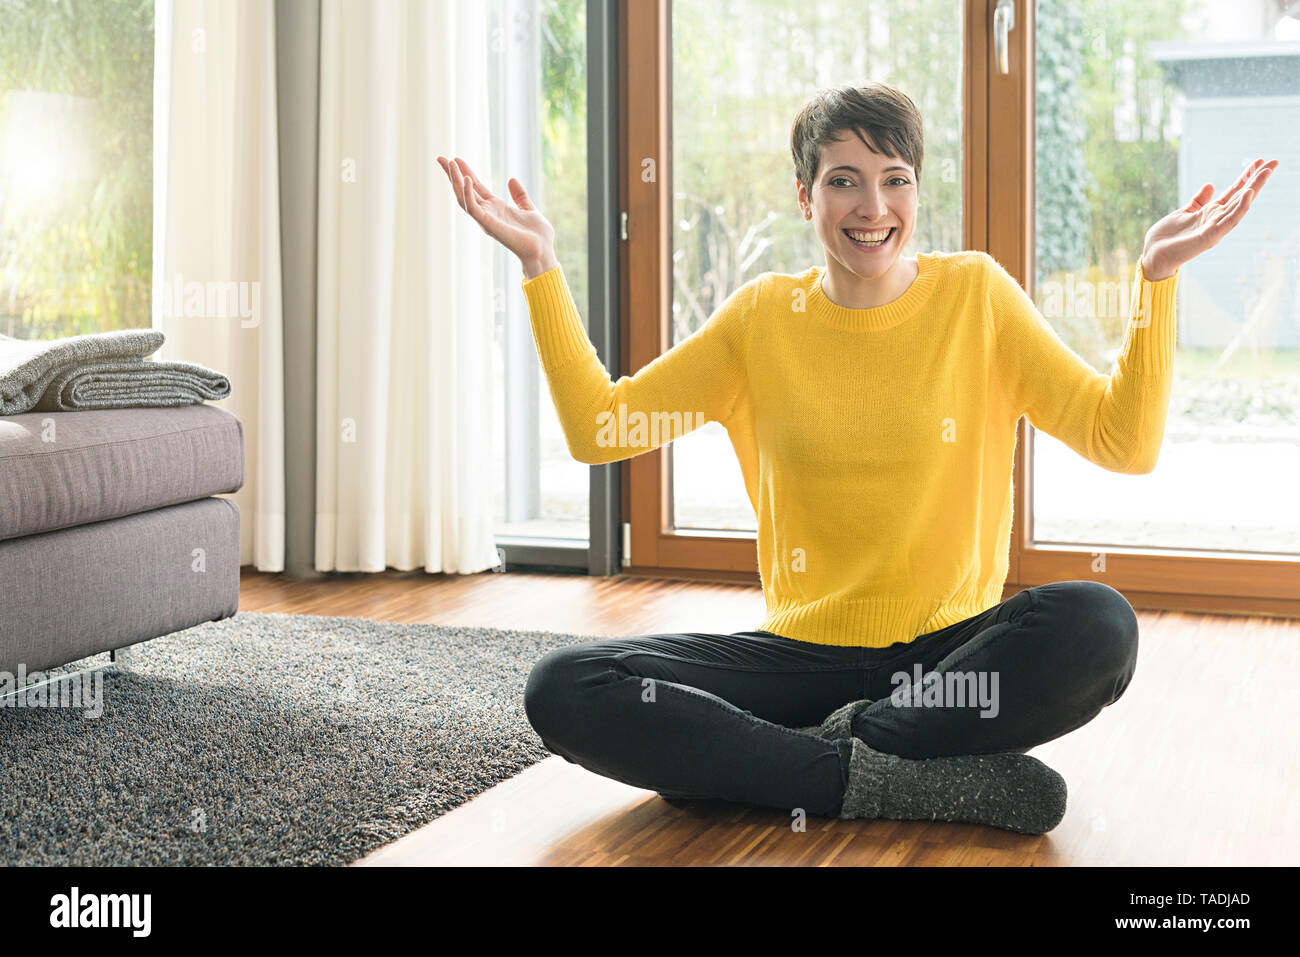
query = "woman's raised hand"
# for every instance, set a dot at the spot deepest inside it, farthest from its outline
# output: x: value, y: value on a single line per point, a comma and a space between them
x: 519, y: 227
x: 1190, y: 231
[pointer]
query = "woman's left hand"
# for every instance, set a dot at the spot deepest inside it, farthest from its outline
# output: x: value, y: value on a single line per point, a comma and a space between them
x: 1190, y: 231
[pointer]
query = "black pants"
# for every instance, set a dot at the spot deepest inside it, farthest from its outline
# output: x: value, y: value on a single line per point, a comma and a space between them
x: 715, y: 716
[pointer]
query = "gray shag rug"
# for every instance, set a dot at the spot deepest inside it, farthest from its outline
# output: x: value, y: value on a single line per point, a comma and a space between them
x: 269, y: 740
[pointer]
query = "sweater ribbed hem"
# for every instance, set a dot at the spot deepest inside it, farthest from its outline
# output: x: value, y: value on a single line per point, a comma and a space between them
x: 874, y: 622
x: 557, y: 326
x: 1153, y: 324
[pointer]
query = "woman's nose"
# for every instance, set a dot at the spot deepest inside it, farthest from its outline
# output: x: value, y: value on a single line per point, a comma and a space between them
x: 873, y: 207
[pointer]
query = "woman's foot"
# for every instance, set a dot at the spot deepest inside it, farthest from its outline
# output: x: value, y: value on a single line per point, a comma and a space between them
x: 839, y: 724
x: 1006, y: 790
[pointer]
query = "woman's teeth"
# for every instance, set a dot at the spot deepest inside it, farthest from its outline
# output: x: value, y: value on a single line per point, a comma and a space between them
x: 854, y: 237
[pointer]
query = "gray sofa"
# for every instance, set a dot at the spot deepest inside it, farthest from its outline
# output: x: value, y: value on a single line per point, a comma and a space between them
x: 109, y: 531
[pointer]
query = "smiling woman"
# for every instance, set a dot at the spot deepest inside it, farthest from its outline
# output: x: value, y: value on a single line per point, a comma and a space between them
x: 857, y: 154
x: 876, y: 443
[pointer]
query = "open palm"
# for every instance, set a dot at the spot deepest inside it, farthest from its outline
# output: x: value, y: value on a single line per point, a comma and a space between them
x: 1198, y: 226
x: 520, y: 228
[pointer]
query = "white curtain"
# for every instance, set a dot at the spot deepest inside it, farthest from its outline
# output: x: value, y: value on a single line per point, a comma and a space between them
x: 404, y: 292
x: 216, y: 260
x: 404, y: 282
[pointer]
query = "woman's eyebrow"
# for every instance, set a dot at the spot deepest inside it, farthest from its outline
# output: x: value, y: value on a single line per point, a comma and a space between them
x: 854, y: 169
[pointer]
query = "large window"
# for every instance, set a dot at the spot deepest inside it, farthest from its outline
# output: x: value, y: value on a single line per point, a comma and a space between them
x: 1137, y: 107
x: 76, y: 162
x: 539, y: 136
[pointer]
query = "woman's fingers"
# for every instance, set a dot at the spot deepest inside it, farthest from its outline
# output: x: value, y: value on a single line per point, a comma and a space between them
x: 1227, y: 209
x: 1245, y: 176
x: 516, y: 188
x: 469, y: 197
x: 459, y: 184
x: 1229, y: 215
x: 1224, y: 216
x: 453, y: 174
x: 465, y: 193
x: 1247, y: 196
x: 482, y: 190
x: 475, y: 198
x: 520, y: 197
x: 1262, y: 175
x: 1253, y: 176
x: 1239, y: 209
x: 1197, y: 201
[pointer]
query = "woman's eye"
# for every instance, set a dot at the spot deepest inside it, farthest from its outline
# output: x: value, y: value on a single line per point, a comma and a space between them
x: 895, y: 179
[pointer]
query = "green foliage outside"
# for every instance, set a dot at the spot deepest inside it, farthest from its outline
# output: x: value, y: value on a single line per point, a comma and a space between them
x: 1099, y: 187
x: 75, y: 254
x: 564, y: 137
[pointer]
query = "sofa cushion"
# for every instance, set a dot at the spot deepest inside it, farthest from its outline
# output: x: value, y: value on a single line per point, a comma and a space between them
x: 62, y: 469
x: 79, y: 591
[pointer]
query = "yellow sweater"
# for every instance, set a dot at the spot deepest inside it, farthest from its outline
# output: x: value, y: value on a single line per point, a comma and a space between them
x: 876, y: 444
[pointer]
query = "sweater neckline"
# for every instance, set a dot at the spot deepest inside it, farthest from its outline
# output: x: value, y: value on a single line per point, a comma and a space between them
x: 876, y: 318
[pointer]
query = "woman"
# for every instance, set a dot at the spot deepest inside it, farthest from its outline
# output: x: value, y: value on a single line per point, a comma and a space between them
x: 873, y: 406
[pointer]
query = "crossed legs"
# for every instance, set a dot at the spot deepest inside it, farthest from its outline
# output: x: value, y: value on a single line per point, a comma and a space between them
x: 718, y: 716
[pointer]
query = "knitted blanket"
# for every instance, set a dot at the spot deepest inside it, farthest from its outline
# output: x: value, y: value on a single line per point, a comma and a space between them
x: 103, y: 370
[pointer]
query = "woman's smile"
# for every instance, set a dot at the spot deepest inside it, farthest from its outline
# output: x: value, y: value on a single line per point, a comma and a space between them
x: 869, y: 246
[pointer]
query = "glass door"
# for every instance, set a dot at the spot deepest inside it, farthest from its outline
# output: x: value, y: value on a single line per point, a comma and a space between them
x: 1137, y: 106
x: 537, y: 85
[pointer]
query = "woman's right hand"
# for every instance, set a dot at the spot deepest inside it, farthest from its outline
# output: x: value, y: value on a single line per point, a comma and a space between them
x: 520, y: 228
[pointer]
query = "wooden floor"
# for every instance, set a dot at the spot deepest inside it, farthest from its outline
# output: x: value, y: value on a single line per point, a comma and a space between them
x: 1195, y: 764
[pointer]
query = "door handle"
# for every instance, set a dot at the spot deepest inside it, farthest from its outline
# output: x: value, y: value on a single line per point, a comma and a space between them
x: 1004, y: 19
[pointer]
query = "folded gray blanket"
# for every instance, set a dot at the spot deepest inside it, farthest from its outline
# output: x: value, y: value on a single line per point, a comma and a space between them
x: 102, y: 370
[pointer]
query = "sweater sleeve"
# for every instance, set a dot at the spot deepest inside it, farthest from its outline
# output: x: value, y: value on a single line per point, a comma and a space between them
x: 695, y: 382
x: 1116, y: 421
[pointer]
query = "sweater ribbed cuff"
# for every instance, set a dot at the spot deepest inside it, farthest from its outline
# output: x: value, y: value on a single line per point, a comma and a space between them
x: 557, y: 326
x: 1153, y: 323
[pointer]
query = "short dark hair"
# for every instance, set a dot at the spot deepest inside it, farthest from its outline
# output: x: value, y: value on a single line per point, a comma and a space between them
x: 886, y: 115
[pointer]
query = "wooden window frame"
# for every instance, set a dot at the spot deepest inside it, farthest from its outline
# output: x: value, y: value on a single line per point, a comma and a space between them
x: 998, y: 214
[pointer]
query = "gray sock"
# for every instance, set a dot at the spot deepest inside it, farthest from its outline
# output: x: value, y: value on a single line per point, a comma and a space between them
x: 1008, y: 790
x: 839, y: 724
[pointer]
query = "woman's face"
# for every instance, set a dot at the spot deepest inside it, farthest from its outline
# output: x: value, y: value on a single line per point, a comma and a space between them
x: 864, y: 192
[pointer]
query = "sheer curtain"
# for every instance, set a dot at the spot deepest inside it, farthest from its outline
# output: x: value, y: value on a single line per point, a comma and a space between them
x: 216, y: 223
x: 404, y: 292
x: 403, y: 311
